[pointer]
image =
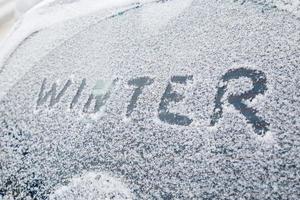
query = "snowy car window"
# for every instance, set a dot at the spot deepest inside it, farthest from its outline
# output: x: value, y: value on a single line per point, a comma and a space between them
x: 203, y: 104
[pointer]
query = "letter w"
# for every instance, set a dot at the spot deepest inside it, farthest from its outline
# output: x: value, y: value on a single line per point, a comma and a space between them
x: 44, y: 96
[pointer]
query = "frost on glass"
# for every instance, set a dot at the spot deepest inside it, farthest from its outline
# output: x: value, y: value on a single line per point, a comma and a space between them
x: 152, y: 137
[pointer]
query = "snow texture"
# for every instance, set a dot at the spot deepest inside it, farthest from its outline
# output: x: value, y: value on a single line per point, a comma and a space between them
x: 292, y: 6
x: 92, y: 185
x: 95, y: 103
x: 48, y: 13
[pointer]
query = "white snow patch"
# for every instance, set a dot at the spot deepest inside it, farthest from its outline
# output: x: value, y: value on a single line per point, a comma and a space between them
x: 268, y: 138
x: 93, y: 186
x: 292, y: 6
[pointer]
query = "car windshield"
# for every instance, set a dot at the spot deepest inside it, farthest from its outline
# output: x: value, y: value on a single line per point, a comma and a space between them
x: 162, y: 100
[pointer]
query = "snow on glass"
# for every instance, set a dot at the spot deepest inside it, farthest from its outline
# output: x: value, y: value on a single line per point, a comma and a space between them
x: 196, y: 102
